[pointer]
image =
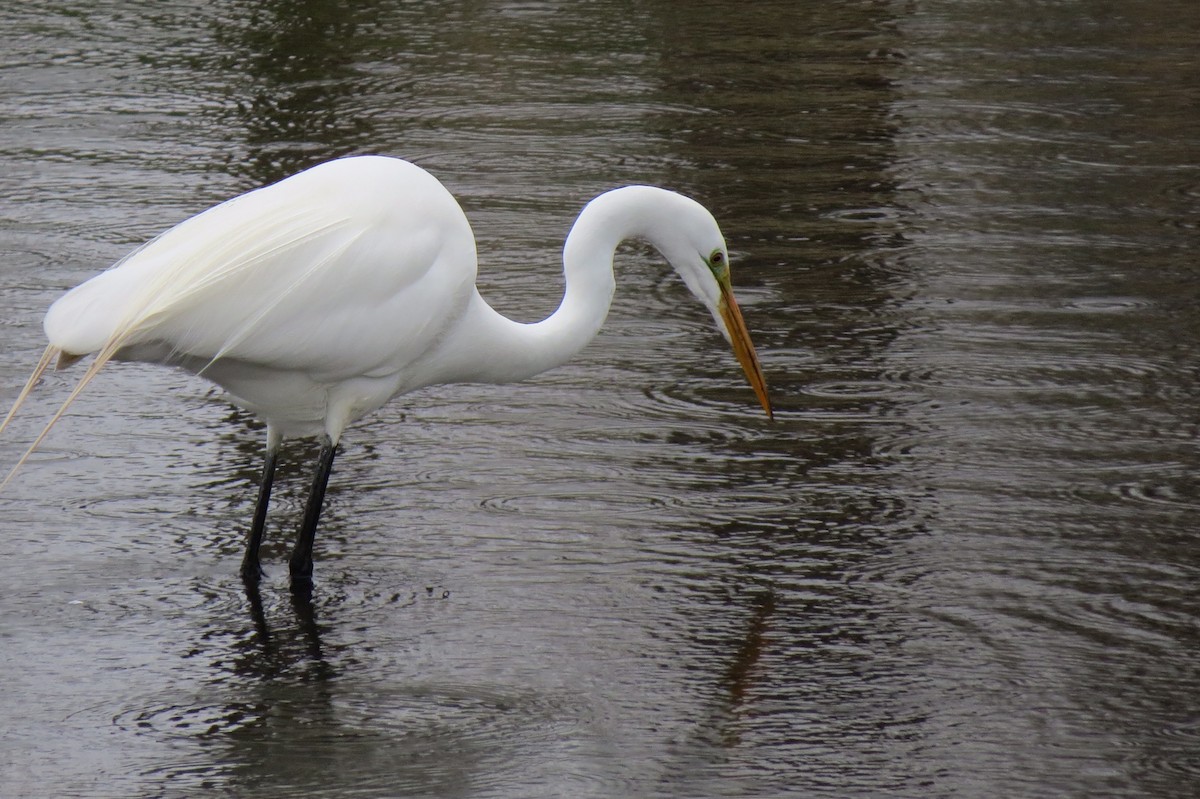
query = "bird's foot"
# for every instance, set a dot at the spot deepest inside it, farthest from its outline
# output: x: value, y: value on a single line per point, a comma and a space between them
x: 302, y: 586
x: 252, y: 572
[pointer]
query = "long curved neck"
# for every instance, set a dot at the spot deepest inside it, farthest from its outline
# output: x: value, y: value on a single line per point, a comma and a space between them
x: 508, y: 351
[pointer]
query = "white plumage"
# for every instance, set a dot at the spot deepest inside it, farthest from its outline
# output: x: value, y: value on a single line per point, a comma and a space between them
x: 315, y: 300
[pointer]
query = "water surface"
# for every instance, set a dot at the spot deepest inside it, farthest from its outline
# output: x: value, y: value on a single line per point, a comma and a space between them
x: 961, y: 562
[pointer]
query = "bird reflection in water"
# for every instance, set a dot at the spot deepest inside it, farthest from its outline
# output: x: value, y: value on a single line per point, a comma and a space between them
x: 294, y: 649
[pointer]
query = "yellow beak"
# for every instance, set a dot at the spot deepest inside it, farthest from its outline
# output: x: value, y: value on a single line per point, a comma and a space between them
x: 743, y: 348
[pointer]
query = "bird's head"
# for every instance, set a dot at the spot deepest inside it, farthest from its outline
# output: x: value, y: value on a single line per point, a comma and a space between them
x: 692, y: 243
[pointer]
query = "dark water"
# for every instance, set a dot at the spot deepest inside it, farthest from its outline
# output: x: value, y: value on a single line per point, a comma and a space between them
x: 962, y: 562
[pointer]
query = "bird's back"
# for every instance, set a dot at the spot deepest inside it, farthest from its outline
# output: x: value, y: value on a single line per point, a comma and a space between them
x: 349, y: 268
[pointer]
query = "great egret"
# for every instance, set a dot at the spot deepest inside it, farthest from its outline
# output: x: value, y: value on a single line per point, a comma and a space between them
x: 315, y: 300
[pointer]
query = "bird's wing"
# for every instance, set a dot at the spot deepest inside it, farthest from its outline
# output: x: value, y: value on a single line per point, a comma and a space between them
x: 354, y: 267
x: 321, y: 276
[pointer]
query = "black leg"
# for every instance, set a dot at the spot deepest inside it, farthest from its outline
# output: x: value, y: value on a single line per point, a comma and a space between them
x: 251, y: 568
x: 301, y: 563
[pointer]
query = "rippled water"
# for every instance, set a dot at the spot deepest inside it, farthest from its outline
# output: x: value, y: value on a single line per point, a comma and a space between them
x: 962, y: 561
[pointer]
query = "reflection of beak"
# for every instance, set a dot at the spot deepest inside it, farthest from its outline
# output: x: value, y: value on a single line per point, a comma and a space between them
x: 743, y: 348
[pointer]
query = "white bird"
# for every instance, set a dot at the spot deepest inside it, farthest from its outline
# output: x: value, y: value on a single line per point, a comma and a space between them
x: 315, y: 300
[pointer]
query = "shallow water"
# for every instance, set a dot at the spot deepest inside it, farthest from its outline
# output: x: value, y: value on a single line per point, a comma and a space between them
x: 961, y: 562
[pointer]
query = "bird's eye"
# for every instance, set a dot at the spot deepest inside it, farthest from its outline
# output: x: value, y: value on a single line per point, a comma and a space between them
x: 716, y: 262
